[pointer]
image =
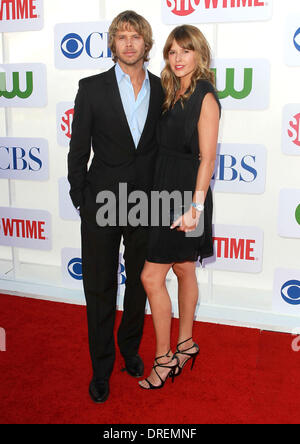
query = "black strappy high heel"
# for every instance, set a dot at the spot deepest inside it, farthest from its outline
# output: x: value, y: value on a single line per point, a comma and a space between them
x: 192, y: 356
x: 171, y: 373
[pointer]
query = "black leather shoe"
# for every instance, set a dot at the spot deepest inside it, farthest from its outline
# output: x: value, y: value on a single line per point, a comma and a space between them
x: 134, y: 366
x: 99, y: 390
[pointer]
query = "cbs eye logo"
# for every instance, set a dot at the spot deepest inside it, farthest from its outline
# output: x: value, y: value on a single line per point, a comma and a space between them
x: 297, y: 39
x: 95, y: 46
x: 75, y: 268
x: 72, y: 46
x: 290, y: 292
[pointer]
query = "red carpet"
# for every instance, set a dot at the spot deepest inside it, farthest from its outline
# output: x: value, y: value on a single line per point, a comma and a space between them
x: 244, y: 376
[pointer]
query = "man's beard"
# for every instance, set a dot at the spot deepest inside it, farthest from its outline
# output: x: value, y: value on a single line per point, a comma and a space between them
x: 132, y: 62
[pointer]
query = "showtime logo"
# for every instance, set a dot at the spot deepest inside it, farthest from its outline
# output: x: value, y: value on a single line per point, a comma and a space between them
x: 187, y: 7
x: 202, y: 11
x: 25, y: 228
x: 67, y: 120
x: 237, y: 249
x: 18, y: 9
x: 291, y: 129
x: 234, y: 248
x: 64, y: 116
x: 183, y: 7
x: 294, y: 130
x: 21, y: 15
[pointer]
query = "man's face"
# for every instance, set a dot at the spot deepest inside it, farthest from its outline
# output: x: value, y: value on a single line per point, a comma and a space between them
x: 130, y: 46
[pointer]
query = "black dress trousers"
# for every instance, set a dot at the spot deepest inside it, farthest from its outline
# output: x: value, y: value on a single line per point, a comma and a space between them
x: 100, y: 262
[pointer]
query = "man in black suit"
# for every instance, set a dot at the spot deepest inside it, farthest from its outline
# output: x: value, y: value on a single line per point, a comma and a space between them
x: 116, y: 113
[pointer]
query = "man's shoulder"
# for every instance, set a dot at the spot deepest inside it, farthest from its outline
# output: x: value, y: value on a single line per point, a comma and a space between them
x: 155, y: 80
x: 96, y: 80
x: 154, y: 77
x: 158, y: 89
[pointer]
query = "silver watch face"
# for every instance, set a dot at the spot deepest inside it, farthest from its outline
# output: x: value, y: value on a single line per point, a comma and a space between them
x: 198, y: 207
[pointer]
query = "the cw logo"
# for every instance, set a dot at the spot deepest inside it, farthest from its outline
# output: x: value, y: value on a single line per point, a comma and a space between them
x: 230, y: 90
x: 16, y: 86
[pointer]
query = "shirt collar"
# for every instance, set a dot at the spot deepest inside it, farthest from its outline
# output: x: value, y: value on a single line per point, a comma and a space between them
x: 120, y: 74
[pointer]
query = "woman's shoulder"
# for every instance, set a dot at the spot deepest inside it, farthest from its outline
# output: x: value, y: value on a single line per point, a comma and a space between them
x: 205, y: 86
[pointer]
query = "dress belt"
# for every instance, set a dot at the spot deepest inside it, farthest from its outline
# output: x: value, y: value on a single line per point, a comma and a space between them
x: 168, y: 152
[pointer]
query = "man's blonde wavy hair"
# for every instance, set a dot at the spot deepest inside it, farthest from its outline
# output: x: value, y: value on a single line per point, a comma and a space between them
x: 191, y: 38
x: 125, y: 21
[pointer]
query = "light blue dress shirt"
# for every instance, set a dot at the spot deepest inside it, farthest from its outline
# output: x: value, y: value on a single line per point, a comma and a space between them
x: 136, y: 110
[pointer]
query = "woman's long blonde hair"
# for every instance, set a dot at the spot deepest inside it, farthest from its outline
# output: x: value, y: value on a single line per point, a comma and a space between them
x: 191, y: 38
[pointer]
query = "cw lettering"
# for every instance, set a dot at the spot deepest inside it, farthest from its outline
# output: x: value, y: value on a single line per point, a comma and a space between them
x: 16, y: 92
x: 230, y: 90
x: 26, y: 229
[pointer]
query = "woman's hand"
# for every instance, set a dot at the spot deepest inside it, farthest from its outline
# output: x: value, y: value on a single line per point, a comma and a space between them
x: 188, y: 222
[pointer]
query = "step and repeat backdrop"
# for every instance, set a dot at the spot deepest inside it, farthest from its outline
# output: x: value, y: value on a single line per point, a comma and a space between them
x: 49, y: 45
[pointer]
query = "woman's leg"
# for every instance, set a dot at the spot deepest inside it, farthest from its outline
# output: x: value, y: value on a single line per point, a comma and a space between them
x: 154, y: 280
x: 187, y: 301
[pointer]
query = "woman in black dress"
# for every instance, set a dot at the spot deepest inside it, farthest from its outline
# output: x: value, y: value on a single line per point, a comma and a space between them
x: 188, y: 135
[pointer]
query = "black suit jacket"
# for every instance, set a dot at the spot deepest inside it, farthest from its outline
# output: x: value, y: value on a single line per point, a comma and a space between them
x: 100, y: 122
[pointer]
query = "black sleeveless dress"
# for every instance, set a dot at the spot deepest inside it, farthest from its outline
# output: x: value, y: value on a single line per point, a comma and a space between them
x: 177, y: 169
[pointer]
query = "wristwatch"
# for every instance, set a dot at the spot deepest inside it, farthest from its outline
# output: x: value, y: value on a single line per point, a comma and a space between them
x: 199, y: 207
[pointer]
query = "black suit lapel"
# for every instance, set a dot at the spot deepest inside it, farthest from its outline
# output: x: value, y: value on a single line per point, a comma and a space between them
x: 120, y: 118
x: 115, y: 100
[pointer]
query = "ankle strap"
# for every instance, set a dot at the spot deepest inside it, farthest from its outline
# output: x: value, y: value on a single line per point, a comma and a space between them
x: 164, y: 356
x: 184, y: 342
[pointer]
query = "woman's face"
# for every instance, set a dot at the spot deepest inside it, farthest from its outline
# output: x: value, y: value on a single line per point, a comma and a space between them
x: 182, y: 61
